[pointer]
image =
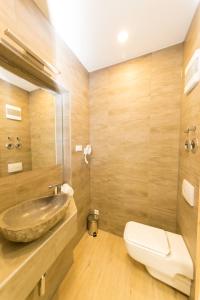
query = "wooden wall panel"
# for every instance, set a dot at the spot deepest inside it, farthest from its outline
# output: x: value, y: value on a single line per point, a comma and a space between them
x: 25, y: 20
x: 187, y: 216
x: 42, y: 128
x: 134, y: 123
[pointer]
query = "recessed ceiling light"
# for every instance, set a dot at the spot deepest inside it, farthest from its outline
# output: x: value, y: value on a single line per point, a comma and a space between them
x: 122, y: 37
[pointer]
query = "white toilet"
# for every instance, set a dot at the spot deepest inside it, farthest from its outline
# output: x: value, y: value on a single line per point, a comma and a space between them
x: 164, y: 254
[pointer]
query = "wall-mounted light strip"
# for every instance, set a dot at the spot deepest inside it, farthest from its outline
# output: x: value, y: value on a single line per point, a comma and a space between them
x: 30, y: 54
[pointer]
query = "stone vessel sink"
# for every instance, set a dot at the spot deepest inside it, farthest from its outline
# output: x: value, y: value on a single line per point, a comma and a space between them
x: 31, y: 219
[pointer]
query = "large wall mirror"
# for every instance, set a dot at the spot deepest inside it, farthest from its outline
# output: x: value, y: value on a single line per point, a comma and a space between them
x: 31, y: 126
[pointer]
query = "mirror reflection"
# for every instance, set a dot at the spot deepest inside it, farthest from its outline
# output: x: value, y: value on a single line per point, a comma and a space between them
x: 28, y: 123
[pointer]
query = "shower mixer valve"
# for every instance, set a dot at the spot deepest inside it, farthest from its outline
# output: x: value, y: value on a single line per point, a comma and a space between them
x: 191, y: 144
x: 9, y: 145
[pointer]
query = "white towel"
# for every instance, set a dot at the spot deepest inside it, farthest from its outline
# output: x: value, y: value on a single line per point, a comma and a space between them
x: 67, y: 189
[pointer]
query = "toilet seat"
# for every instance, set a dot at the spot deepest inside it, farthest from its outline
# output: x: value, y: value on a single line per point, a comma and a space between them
x: 164, y: 254
x: 151, y: 238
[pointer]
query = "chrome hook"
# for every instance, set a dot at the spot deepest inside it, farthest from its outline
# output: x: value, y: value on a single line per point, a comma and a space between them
x: 9, y: 145
x: 18, y: 145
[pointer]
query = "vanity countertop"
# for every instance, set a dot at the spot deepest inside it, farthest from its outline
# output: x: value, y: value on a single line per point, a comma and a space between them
x: 22, y: 265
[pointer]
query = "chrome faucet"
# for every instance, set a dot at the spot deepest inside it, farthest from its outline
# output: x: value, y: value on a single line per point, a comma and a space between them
x: 57, y: 188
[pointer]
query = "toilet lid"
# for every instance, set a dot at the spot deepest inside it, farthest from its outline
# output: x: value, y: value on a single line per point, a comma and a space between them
x: 151, y: 238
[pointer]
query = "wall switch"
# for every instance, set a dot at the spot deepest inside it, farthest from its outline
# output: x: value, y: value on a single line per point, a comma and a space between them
x: 79, y: 148
x: 15, y: 167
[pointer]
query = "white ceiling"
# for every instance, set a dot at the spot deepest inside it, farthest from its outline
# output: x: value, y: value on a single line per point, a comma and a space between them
x: 17, y: 81
x: 90, y: 27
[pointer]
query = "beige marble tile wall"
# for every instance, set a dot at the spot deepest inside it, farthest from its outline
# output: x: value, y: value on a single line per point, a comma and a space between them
x: 189, y: 162
x: 25, y: 20
x: 135, y: 123
x: 13, y: 95
x: 42, y: 127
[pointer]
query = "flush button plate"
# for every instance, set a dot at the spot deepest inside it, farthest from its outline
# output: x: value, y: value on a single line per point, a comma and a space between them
x: 15, y: 167
x: 194, y: 145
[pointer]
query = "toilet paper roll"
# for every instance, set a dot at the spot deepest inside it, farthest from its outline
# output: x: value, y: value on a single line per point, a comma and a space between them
x: 67, y: 189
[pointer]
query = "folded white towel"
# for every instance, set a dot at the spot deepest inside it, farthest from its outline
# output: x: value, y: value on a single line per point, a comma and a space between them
x: 67, y: 189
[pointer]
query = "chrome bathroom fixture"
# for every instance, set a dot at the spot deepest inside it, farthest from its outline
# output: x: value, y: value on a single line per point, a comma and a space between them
x: 194, y: 145
x: 187, y: 145
x: 57, y: 188
x: 191, y: 144
x: 92, y: 222
x: 190, y: 129
x: 9, y: 145
x: 18, y: 145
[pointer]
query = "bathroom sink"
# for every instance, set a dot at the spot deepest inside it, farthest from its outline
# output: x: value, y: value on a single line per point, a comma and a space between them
x: 31, y: 219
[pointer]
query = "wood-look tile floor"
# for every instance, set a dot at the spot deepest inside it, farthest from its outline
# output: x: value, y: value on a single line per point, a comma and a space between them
x: 102, y: 270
